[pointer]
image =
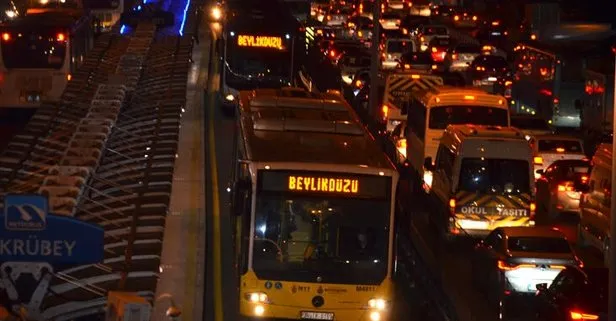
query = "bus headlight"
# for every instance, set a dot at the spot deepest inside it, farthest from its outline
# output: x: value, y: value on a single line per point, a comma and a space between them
x: 375, y: 316
x: 377, y: 304
x: 216, y: 13
x: 257, y: 297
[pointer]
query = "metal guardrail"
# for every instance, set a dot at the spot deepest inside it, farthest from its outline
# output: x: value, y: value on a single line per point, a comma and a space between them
x: 105, y: 154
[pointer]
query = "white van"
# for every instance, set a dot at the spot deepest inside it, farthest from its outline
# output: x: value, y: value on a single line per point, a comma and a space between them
x: 482, y: 179
x: 594, y: 227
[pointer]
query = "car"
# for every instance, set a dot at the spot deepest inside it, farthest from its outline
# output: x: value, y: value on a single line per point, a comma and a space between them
x: 575, y: 294
x: 426, y: 33
x: 390, y: 20
x: 421, y: 61
x: 560, y: 187
x: 490, y: 73
x: 337, y: 16
x: 394, y: 49
x: 351, y: 62
x: 511, y: 261
x: 550, y: 148
x: 460, y: 56
x: 464, y: 19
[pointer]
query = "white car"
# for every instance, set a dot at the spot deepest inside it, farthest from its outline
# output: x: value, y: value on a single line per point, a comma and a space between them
x: 550, y: 148
x: 390, y: 21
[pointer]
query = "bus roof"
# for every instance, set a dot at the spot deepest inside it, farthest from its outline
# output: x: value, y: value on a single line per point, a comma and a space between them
x: 279, y: 126
x: 447, y: 96
x: 44, y: 19
x: 261, y: 16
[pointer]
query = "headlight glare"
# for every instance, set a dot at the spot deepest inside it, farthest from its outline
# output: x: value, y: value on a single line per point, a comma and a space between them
x: 256, y: 297
x: 377, y: 304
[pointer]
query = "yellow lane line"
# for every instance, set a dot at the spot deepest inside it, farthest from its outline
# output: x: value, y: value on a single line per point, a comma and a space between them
x: 218, y: 310
x: 196, y: 163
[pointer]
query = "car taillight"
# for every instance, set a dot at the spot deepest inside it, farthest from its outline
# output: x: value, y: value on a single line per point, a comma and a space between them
x: 6, y: 36
x: 565, y: 187
x: 452, y: 207
x: 454, y: 56
x: 506, y: 266
x: 538, y: 160
x: 60, y: 37
x: 577, y: 315
x: 385, y: 110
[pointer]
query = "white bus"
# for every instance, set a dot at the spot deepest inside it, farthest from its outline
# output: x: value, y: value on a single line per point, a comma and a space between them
x: 39, y: 53
x: 430, y: 113
x: 313, y: 199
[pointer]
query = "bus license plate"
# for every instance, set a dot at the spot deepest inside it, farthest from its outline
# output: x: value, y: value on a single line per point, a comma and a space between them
x: 309, y: 315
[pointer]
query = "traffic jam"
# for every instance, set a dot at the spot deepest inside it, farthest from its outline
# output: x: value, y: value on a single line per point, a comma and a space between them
x: 487, y: 117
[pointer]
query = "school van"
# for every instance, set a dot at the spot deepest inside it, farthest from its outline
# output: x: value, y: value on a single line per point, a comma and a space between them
x: 482, y: 179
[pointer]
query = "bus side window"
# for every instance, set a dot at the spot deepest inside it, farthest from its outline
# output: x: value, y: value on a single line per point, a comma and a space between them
x: 243, y: 208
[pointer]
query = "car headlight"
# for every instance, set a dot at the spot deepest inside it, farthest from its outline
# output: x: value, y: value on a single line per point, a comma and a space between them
x: 229, y: 98
x: 256, y: 297
x: 377, y: 304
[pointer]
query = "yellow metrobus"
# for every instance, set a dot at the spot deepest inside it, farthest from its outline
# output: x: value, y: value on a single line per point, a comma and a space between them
x: 313, y: 202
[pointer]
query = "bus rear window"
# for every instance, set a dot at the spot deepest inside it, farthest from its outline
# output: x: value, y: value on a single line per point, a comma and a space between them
x: 559, y: 146
x: 441, y: 117
x: 33, y: 48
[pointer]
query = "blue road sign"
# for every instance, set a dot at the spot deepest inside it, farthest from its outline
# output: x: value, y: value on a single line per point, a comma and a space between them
x: 30, y: 234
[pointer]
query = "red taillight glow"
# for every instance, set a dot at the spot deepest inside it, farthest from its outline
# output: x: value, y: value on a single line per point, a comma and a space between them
x: 576, y: 315
x: 6, y: 36
x: 584, y: 179
x: 567, y: 187
x: 504, y: 266
x: 60, y: 37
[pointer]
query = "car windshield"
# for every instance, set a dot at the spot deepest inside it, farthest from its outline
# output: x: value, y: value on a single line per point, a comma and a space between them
x: 440, y: 42
x: 418, y: 58
x: 530, y: 123
x: 399, y: 46
x: 559, y: 146
x: 494, y: 175
x: 340, y: 239
x: 537, y: 244
x: 441, y: 117
x: 435, y: 30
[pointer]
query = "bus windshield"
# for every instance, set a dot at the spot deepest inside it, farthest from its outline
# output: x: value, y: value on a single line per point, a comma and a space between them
x: 249, y: 68
x: 494, y: 176
x: 33, y: 48
x: 441, y: 117
x: 338, y: 239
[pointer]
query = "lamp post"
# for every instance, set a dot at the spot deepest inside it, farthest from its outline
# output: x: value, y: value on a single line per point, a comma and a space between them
x: 612, y: 241
x: 373, y: 103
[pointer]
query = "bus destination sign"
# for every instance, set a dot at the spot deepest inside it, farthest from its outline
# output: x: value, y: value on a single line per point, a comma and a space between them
x: 368, y: 186
x: 259, y: 41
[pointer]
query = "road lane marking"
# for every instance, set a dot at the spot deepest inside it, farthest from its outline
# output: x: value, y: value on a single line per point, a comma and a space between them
x: 216, y: 238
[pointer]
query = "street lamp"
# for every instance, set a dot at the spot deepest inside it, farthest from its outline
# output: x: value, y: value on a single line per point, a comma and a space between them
x: 612, y: 242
